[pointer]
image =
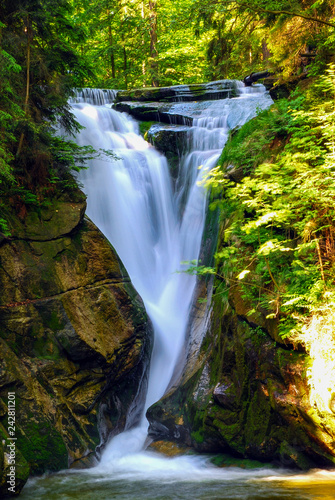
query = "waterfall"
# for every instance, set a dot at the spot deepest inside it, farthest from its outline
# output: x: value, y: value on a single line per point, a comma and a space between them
x: 153, y: 226
x: 97, y: 97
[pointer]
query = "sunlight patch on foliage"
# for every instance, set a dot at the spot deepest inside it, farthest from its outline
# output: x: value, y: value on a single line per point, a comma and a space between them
x: 278, y: 232
x: 318, y: 336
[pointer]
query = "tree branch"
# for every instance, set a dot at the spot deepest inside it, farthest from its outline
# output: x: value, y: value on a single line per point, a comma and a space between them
x: 286, y: 12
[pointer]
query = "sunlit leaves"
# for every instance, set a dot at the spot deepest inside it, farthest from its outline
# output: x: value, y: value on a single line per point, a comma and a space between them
x: 279, y: 236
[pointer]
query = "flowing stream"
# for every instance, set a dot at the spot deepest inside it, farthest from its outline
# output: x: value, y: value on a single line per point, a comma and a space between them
x: 155, y: 225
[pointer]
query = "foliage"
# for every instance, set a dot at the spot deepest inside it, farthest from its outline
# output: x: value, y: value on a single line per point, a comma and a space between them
x: 278, y: 243
x: 38, y: 70
x: 140, y: 43
x: 276, y: 35
x: 134, y: 43
x: 8, y: 107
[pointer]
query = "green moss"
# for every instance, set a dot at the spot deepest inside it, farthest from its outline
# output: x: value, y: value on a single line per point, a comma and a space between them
x: 54, y: 322
x: 42, y: 446
x: 198, y: 436
x: 198, y: 89
x: 21, y: 465
x: 225, y: 460
x: 144, y: 127
x: 258, y: 417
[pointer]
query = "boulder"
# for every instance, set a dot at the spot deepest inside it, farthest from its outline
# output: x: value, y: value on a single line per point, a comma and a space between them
x: 75, y: 339
x: 171, y: 140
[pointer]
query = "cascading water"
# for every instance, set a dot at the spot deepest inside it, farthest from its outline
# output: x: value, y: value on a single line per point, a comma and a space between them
x: 153, y: 228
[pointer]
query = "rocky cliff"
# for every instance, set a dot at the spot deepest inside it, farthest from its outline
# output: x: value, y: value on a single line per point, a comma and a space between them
x: 250, y: 397
x: 75, y: 342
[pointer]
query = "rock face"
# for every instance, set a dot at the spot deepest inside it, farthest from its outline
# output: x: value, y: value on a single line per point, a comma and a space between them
x: 249, y: 398
x: 220, y: 89
x: 173, y: 105
x: 246, y: 393
x: 171, y: 140
x: 75, y: 342
x: 157, y: 111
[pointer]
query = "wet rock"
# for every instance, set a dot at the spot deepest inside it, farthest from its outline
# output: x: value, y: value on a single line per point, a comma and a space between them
x: 171, y: 140
x: 74, y: 339
x: 156, y: 111
x: 249, y: 397
x: 225, y: 395
x: 220, y: 89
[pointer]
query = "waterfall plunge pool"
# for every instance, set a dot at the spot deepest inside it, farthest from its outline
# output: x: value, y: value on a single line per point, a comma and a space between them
x: 149, y: 476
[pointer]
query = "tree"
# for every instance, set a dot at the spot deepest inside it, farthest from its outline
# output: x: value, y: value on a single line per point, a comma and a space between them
x: 153, y: 42
x: 138, y: 43
x: 8, y: 108
x: 38, y: 70
x: 240, y: 29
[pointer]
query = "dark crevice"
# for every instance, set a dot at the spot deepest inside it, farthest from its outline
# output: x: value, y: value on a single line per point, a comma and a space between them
x: 98, y: 284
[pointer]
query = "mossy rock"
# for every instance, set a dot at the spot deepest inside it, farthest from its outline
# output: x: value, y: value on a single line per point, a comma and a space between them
x: 42, y: 445
x: 48, y: 223
x: 11, y: 461
x: 75, y: 339
x: 255, y: 400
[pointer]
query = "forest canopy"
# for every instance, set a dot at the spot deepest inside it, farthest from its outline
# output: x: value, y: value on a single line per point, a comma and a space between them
x: 162, y: 42
x: 50, y: 47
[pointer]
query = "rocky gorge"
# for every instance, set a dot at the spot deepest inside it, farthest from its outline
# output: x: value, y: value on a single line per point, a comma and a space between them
x: 76, y: 339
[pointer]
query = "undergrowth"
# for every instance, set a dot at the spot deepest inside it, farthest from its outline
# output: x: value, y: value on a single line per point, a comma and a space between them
x: 277, y: 240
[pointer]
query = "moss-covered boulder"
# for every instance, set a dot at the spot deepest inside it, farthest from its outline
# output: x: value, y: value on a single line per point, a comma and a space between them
x: 74, y: 337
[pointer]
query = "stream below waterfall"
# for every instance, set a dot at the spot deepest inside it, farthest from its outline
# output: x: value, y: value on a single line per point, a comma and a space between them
x: 156, y: 225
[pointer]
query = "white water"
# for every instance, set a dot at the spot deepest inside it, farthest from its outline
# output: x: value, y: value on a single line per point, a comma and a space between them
x: 133, y: 203
x: 154, y: 229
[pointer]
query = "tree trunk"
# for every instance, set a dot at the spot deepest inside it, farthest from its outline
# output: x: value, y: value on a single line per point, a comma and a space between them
x: 143, y: 46
x: 250, y: 79
x: 265, y: 51
x: 26, y: 101
x: 125, y: 67
x: 110, y: 41
x: 153, y: 43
